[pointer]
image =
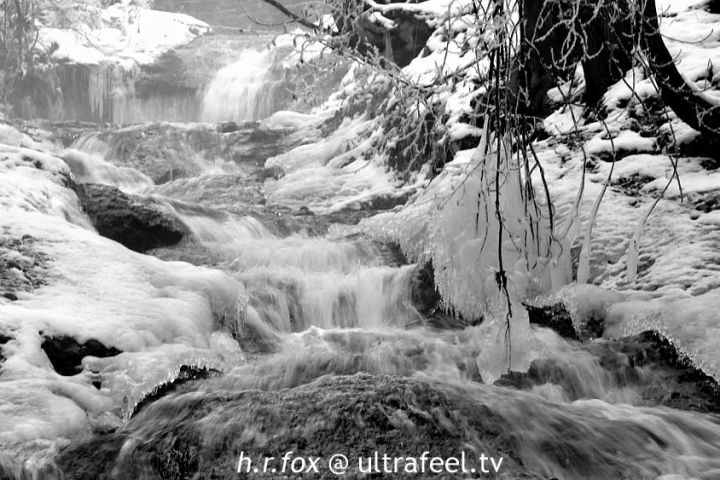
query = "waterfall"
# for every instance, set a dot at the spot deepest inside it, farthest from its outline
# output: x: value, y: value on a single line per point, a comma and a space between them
x: 249, y: 89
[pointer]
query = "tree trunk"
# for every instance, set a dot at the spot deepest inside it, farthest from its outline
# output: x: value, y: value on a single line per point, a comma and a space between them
x: 694, y: 108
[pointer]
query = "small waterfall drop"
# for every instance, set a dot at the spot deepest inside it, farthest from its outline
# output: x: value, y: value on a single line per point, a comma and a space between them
x: 92, y: 168
x: 249, y: 89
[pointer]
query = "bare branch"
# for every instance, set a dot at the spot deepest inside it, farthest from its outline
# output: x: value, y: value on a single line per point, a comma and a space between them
x: 292, y: 15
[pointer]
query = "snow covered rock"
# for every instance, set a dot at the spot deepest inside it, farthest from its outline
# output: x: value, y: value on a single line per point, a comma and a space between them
x: 122, y: 33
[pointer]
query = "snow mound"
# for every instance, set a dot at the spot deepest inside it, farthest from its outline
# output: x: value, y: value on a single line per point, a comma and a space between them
x: 126, y: 34
x: 161, y: 315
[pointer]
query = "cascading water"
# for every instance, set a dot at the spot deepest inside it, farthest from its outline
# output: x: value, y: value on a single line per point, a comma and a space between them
x: 318, y: 307
x: 215, y: 78
x: 250, y: 89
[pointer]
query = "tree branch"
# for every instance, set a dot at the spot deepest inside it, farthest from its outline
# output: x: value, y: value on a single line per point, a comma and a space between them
x: 292, y: 15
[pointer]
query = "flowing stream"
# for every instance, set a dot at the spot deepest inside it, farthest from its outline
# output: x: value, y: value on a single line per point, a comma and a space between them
x: 339, y: 355
x: 321, y: 307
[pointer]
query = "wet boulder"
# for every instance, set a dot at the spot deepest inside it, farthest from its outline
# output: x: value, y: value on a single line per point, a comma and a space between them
x: 351, y: 415
x: 427, y: 300
x: 557, y: 317
x: 205, y: 434
x: 424, y: 294
x: 132, y: 221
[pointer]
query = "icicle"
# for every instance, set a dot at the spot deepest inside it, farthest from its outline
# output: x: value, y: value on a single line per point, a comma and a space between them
x: 583, y: 273
x: 560, y: 264
x: 497, y: 339
x: 632, y: 255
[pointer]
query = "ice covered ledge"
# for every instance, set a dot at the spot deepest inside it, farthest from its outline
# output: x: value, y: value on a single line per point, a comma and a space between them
x: 127, y: 33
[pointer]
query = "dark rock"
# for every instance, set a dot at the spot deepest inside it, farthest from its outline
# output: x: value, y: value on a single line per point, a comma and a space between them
x: 127, y: 219
x: 353, y: 415
x: 23, y: 266
x: 387, y: 202
x: 673, y: 381
x: 619, y: 153
x: 227, y: 127
x: 710, y: 163
x: 251, y: 145
x: 66, y: 353
x: 304, y: 211
x: 392, y: 254
x: 424, y: 294
x: 275, y: 173
x: 202, y: 434
x: 702, y: 145
x: 648, y: 363
x: 708, y: 202
x: 3, y: 340
x: 400, y: 44
x: 632, y: 185
x: 555, y: 317
x: 558, y: 318
x: 428, y: 302
x: 92, y: 461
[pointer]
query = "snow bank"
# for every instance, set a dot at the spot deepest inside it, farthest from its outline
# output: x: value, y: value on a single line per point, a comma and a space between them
x: 161, y: 315
x: 125, y: 34
x: 34, y: 181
